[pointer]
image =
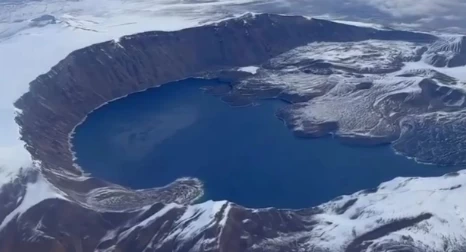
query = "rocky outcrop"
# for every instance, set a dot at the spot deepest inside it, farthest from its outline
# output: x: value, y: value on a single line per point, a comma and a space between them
x: 449, y: 51
x: 88, y: 78
x: 94, y: 215
x: 58, y: 100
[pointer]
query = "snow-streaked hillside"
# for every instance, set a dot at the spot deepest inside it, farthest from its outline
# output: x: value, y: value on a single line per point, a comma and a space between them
x: 30, y: 43
x: 364, y: 87
x: 29, y: 48
x: 35, y: 35
x: 374, y: 90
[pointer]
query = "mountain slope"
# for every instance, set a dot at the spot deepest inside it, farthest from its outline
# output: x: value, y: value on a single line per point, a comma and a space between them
x: 330, y: 73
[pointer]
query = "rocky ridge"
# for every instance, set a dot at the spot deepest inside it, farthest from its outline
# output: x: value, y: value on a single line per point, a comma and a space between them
x: 79, y: 213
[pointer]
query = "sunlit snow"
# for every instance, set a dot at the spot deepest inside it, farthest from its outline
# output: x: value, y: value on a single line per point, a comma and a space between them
x: 28, y: 51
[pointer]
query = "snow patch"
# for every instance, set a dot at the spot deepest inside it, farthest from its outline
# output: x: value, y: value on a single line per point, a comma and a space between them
x: 149, y: 220
x: 398, y: 199
x: 78, y: 24
x: 198, y: 218
x: 36, y: 192
x: 361, y: 24
x: 458, y: 73
x: 249, y: 69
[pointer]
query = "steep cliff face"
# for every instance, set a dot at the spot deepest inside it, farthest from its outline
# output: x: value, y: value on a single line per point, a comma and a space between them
x: 449, y: 51
x: 93, y: 215
x: 90, y: 77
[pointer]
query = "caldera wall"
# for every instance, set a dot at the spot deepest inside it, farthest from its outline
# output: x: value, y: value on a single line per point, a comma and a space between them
x: 60, y: 99
x: 87, y: 78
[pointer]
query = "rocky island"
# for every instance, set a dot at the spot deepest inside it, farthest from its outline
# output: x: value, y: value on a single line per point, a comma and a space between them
x: 75, y: 212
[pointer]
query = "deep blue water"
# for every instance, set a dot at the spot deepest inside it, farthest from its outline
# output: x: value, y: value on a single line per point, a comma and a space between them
x: 245, y: 155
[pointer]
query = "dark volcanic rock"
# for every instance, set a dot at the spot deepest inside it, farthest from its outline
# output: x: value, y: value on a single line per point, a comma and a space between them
x: 364, y: 85
x: 450, y: 52
x: 360, y: 243
x: 12, y: 194
x: 42, y: 21
x: 100, y: 216
x: 89, y: 77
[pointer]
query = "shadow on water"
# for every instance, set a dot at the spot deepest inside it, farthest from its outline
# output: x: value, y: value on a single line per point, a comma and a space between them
x: 242, y: 154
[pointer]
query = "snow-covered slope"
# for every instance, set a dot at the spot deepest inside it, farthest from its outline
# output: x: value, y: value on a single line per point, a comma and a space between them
x: 357, y: 88
x: 61, y: 26
x: 36, y: 190
x: 32, y: 42
x: 402, y: 198
x: 375, y: 91
x: 405, y: 214
x: 449, y: 51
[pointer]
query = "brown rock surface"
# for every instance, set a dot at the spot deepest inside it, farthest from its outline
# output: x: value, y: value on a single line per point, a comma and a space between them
x: 100, y: 216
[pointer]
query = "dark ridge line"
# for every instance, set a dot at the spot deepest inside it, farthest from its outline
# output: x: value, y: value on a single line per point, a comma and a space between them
x: 305, y: 31
x: 90, y: 77
x: 348, y: 204
x: 357, y: 246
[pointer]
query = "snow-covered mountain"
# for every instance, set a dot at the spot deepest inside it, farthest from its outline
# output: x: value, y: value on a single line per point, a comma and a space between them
x: 366, y: 85
x: 376, y: 92
x: 62, y: 26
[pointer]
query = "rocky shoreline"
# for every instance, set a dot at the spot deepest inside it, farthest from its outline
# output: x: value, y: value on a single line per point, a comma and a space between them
x: 94, y: 215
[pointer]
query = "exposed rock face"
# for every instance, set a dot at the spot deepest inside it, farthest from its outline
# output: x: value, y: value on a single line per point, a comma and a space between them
x: 89, y: 214
x: 43, y: 20
x: 87, y: 78
x: 92, y: 76
x: 448, y: 52
x: 371, y: 92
